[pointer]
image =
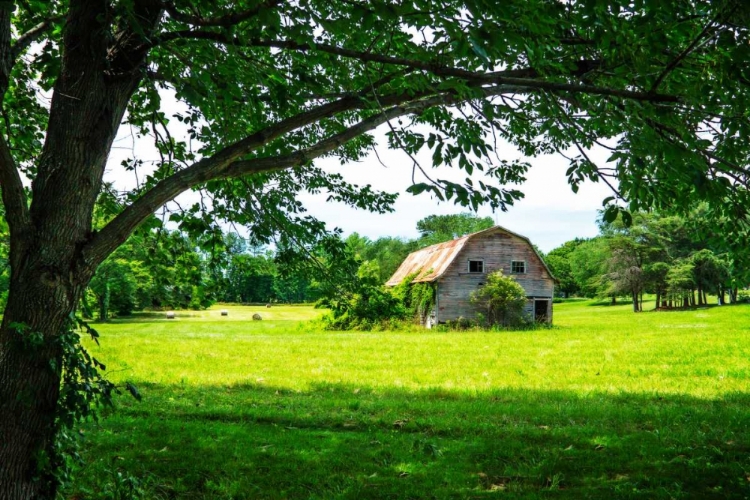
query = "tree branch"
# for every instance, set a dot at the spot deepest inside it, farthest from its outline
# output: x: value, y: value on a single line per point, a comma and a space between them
x: 225, y: 164
x: 525, y: 77
x: 226, y: 20
x: 23, y: 42
x: 682, y: 55
x: 434, y: 68
x: 13, y: 195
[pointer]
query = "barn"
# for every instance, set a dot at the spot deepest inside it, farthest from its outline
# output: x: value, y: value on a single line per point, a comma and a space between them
x: 458, y: 267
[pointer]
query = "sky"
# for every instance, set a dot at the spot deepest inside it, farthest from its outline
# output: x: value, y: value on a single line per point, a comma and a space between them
x: 549, y: 215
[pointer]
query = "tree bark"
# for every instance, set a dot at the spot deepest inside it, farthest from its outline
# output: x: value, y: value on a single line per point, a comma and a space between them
x: 48, y: 271
x: 42, y: 301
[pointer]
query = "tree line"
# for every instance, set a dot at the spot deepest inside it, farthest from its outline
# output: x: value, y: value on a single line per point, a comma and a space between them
x: 160, y: 269
x: 681, y: 259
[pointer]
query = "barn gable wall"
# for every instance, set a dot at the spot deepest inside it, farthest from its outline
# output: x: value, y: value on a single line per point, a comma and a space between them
x: 497, y: 249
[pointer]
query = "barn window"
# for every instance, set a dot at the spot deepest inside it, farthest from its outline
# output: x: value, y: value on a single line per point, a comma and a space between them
x: 518, y: 267
x: 476, y: 266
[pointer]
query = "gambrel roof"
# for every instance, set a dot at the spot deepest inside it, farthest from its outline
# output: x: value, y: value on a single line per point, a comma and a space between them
x: 430, y: 263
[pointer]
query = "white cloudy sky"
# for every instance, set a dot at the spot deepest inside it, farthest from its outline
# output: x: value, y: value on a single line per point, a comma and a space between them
x: 549, y: 215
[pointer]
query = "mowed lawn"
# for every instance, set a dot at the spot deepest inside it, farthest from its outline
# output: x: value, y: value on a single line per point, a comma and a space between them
x: 608, y: 404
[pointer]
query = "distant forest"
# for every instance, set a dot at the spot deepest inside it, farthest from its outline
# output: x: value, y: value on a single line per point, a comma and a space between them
x: 679, y: 259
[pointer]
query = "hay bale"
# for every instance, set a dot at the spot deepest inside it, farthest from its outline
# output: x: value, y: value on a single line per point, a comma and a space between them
x: 224, y: 312
x: 257, y: 317
x: 170, y: 314
x: 268, y: 306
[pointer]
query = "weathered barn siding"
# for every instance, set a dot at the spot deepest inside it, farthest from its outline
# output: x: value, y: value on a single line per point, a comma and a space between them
x: 447, y: 266
x: 497, y: 249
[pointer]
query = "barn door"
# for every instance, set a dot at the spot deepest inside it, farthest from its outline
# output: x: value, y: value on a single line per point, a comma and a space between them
x: 541, y: 308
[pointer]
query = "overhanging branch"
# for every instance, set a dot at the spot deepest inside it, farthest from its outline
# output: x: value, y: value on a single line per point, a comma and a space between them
x: 431, y: 67
x: 225, y: 164
x: 225, y: 20
x: 524, y: 77
x: 24, y: 41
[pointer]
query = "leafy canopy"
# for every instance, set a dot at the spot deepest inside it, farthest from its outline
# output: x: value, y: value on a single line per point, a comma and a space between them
x: 265, y: 88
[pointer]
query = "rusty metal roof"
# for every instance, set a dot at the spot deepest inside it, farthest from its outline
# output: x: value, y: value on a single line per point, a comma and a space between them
x: 432, y: 262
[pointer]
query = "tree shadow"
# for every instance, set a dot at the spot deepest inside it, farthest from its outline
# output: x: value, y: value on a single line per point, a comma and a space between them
x: 343, y: 441
x: 608, y: 303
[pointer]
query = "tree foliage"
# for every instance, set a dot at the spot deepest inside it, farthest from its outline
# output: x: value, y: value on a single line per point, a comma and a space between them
x: 361, y: 303
x: 265, y: 88
x: 439, y: 228
x: 674, y: 257
x: 501, y: 300
x: 559, y: 263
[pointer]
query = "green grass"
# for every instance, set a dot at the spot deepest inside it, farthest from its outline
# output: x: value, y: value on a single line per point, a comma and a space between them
x: 608, y: 404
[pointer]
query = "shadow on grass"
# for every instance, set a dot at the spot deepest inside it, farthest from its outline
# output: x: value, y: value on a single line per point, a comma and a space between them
x: 143, y: 317
x: 608, y: 303
x: 149, y: 317
x: 342, y: 441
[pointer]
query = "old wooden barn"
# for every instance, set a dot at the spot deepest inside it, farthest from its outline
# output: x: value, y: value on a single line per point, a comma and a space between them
x: 458, y: 267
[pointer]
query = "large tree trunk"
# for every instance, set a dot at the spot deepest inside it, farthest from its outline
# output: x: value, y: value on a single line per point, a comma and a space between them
x: 41, y: 298
x: 48, y: 269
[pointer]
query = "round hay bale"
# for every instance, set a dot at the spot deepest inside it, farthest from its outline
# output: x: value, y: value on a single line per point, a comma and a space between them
x: 257, y: 317
x: 268, y: 306
x: 170, y: 315
x: 224, y: 312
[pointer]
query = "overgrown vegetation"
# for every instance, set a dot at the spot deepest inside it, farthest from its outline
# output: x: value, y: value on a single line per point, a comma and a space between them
x: 501, y: 301
x: 362, y: 302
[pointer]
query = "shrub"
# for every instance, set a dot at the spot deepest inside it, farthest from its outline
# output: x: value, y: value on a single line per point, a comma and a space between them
x: 361, y: 303
x: 418, y: 299
x: 462, y: 323
x: 501, y: 301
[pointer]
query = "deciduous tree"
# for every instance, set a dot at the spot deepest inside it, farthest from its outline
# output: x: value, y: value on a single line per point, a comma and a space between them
x: 268, y: 86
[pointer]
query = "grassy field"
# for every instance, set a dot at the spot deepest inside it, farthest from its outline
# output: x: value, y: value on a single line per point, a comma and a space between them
x: 608, y: 404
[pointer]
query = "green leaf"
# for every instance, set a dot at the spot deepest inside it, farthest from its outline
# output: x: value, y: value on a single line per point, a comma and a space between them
x: 133, y: 390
